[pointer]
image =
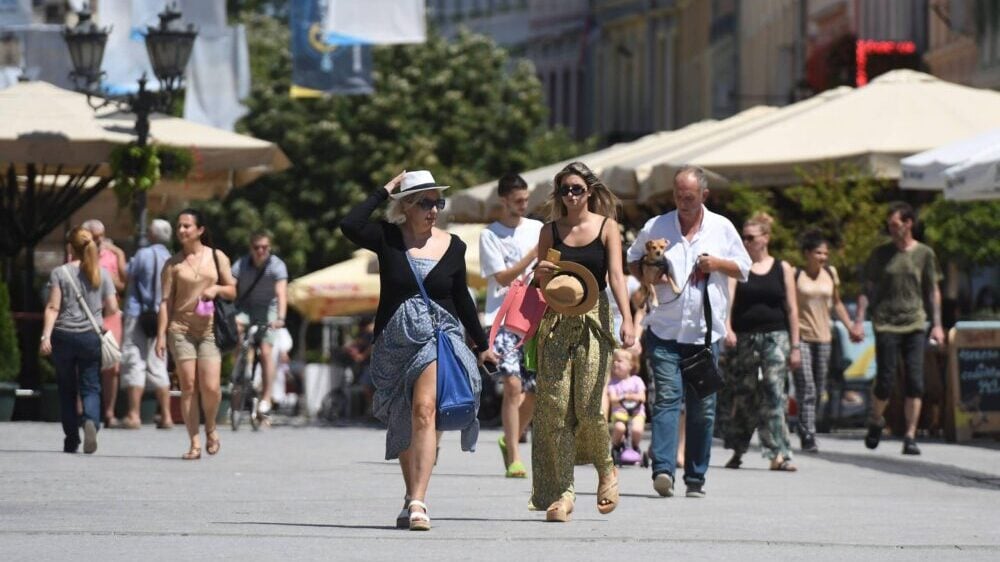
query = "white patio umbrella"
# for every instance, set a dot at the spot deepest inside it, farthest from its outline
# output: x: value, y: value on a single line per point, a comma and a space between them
x: 977, y: 178
x: 898, y: 114
x: 926, y: 170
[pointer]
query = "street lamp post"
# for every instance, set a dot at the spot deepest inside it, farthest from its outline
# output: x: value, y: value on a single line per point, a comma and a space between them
x: 169, y: 48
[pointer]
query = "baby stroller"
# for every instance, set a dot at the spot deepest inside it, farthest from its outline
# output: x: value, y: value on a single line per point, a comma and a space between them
x: 623, y: 453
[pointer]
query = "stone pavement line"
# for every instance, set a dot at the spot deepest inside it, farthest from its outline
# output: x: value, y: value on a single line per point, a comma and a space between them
x: 324, y: 493
x: 400, y: 535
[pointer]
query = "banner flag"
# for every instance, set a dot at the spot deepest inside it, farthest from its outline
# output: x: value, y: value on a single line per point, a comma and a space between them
x: 320, y: 68
x: 375, y: 22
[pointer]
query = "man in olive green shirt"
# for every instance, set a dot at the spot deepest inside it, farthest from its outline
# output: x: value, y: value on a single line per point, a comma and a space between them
x: 901, y: 283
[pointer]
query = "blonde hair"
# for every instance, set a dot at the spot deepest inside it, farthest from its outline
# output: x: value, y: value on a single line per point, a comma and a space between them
x: 601, y: 201
x: 761, y: 220
x: 632, y: 356
x: 81, y: 241
x: 395, y: 213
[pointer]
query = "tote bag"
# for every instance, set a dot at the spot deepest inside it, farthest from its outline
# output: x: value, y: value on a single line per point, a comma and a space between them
x: 456, y: 403
x: 521, y: 311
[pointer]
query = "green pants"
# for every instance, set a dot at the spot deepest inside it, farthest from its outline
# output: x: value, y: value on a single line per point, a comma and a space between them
x: 758, y: 377
x: 569, y: 427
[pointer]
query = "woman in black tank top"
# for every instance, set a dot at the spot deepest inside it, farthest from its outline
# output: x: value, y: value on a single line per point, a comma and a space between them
x: 763, y: 326
x: 574, y: 352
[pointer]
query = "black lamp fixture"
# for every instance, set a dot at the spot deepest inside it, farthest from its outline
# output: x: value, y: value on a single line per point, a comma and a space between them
x: 169, y: 48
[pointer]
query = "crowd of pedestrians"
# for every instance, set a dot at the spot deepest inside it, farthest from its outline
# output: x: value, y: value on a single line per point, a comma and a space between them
x: 576, y: 380
x: 167, y: 303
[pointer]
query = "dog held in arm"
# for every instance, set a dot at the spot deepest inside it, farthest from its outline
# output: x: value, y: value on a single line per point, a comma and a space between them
x: 654, y: 264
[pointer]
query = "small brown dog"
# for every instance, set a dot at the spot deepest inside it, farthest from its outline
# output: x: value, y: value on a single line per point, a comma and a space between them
x: 653, y: 265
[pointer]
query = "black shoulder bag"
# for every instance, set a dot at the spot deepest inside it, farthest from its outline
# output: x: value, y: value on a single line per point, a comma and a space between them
x: 224, y: 316
x: 700, y: 370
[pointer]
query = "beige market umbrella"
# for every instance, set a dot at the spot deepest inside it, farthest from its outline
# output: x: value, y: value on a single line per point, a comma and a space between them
x: 656, y: 175
x: 348, y: 288
x: 351, y: 287
x: 482, y: 202
x: 44, y: 124
x: 900, y: 113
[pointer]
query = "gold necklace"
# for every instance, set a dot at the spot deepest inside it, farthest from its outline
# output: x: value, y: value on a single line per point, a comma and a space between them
x: 197, y: 271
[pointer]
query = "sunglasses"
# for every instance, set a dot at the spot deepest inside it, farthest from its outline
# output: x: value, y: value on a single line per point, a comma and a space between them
x: 261, y: 246
x: 750, y: 237
x: 567, y: 189
x: 428, y: 204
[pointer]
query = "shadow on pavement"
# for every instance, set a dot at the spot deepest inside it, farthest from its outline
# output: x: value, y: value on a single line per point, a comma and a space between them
x: 314, y: 525
x: 943, y: 473
x: 96, y: 455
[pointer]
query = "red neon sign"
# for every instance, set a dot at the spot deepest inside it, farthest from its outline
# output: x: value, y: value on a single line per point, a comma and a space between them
x: 867, y: 47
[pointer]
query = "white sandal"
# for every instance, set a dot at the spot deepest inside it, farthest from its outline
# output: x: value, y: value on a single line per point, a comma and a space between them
x: 419, y: 520
x: 403, y: 519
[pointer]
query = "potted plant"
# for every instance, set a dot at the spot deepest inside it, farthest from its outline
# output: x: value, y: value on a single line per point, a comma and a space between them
x: 10, y: 367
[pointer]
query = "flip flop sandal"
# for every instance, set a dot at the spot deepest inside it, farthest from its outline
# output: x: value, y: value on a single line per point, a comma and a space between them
x: 516, y: 470
x: 193, y: 454
x: 784, y: 466
x: 212, y: 446
x: 607, y: 492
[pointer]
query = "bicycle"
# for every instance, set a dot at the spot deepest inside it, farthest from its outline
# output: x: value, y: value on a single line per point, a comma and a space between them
x: 245, y: 386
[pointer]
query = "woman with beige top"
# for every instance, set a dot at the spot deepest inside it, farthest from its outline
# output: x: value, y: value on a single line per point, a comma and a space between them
x: 192, y: 278
x: 817, y: 289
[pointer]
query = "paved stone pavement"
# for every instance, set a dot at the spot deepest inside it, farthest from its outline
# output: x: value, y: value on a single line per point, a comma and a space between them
x: 309, y: 493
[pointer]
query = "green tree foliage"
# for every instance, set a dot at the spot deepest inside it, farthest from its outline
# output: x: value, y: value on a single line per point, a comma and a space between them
x: 967, y: 231
x: 462, y: 109
x: 10, y: 365
x: 839, y: 201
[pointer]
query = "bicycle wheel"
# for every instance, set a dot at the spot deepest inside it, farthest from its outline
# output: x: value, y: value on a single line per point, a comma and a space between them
x: 253, y: 399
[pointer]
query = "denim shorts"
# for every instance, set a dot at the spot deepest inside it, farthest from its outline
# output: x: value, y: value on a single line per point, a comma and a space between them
x: 512, y: 359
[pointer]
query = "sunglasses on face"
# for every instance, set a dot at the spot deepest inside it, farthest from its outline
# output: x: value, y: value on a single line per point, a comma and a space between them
x: 261, y: 247
x: 569, y: 189
x: 428, y: 204
x: 749, y: 237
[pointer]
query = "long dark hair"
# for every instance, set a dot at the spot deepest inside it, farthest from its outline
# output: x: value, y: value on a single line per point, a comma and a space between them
x: 199, y: 221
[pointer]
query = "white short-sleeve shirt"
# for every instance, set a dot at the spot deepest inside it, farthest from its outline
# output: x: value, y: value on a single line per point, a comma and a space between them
x: 682, y: 317
x: 500, y: 247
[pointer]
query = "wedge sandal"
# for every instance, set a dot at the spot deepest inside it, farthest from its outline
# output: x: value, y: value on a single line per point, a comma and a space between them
x: 419, y: 520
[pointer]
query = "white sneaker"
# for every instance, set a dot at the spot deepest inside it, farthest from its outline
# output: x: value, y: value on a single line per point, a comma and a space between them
x: 664, y: 485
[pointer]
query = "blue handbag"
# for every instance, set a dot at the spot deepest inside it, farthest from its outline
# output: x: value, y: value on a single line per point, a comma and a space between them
x: 456, y: 403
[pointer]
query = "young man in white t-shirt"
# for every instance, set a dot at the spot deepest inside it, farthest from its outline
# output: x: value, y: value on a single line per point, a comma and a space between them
x: 507, y: 249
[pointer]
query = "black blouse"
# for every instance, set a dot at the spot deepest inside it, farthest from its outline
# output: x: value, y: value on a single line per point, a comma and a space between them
x: 446, y: 283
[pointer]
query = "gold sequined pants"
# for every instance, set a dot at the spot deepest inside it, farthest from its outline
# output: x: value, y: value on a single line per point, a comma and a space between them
x: 574, y: 358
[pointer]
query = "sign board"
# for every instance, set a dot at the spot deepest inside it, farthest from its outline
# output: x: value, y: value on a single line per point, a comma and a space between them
x: 973, y: 380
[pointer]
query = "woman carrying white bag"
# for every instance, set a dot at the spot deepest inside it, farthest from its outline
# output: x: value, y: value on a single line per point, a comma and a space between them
x: 80, y: 295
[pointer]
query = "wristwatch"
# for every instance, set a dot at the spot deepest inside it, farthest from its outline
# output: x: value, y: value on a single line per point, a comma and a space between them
x: 43, y: 338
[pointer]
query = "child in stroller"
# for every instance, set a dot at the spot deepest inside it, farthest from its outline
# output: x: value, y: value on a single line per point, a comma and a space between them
x: 626, y: 396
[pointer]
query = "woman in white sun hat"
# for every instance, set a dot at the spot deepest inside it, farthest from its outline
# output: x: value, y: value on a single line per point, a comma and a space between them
x: 404, y: 354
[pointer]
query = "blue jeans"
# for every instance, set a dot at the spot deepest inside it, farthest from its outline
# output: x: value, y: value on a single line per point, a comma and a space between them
x: 77, y: 359
x: 664, y: 361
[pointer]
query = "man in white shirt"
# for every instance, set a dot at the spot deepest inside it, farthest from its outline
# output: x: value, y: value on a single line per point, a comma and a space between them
x: 507, y: 248
x: 702, y: 243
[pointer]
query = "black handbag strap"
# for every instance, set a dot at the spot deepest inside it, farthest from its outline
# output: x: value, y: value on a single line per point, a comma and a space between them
x: 707, y: 305
x: 156, y: 281
x: 260, y: 274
